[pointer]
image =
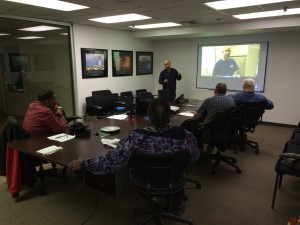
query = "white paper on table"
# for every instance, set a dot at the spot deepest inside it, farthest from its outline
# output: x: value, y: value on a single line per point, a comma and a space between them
x: 118, y: 117
x: 61, y: 137
x: 49, y: 150
x: 110, y: 142
x: 189, y: 114
x: 174, y: 108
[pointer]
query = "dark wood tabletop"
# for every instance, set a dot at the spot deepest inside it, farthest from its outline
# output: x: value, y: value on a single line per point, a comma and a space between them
x: 91, y: 146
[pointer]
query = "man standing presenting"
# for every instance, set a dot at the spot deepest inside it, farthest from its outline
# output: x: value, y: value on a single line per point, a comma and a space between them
x: 226, y: 66
x: 168, y: 79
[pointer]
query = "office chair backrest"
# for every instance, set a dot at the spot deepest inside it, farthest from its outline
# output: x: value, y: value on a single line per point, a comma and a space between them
x: 139, y: 91
x: 159, y: 169
x: 252, y: 113
x: 226, y: 127
x: 195, y: 126
x: 127, y: 96
x: 296, y: 135
x: 103, y: 98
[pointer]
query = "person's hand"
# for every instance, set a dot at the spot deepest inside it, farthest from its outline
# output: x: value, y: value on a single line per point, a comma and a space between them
x: 165, y: 81
x: 179, y: 74
x: 74, y: 166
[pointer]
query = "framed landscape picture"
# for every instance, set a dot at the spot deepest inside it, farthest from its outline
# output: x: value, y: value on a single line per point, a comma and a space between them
x: 144, y: 63
x: 19, y: 62
x: 94, y: 63
x: 122, y: 63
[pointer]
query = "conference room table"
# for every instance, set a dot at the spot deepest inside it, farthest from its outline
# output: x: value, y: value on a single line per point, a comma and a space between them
x: 91, y: 146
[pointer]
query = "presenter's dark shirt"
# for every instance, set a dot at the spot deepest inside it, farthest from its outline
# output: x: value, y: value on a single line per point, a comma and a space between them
x: 225, y: 68
x: 172, y: 75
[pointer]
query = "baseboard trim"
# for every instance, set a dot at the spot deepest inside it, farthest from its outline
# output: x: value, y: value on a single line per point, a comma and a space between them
x: 279, y: 124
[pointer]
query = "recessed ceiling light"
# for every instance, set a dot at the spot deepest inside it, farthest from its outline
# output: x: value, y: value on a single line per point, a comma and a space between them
x: 268, y: 14
x: 40, y: 28
x: 155, y: 25
x: 30, y: 37
x: 65, y: 34
x: 121, y: 18
x: 3, y: 34
x: 51, y: 4
x: 230, y: 4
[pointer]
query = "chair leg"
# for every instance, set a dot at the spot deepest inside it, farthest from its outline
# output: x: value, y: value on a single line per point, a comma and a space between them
x: 197, y: 184
x: 275, y: 190
x: 253, y: 145
x: 280, y: 181
x: 175, y: 218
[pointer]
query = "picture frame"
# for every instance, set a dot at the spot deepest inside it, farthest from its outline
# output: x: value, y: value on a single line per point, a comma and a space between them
x: 94, y: 63
x: 122, y: 63
x: 19, y: 62
x: 144, y: 63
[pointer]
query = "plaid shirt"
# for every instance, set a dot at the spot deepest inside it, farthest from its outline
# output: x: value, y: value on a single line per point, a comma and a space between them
x: 172, y: 140
x: 39, y: 119
x: 215, y: 104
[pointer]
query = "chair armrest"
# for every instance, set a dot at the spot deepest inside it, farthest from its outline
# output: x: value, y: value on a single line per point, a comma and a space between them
x: 290, y: 155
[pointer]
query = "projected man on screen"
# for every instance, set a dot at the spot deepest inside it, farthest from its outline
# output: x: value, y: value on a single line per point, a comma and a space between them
x: 226, y: 67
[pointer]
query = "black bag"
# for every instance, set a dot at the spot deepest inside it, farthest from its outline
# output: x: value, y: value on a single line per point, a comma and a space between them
x: 79, y: 129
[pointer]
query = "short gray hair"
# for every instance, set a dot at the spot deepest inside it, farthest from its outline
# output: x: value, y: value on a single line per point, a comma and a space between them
x: 249, y: 83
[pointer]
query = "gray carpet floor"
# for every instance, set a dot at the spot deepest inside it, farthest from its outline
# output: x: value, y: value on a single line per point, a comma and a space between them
x: 226, y: 198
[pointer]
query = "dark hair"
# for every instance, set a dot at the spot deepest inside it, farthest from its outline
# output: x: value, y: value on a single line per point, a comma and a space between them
x: 159, y: 113
x: 221, y: 88
x: 45, y: 95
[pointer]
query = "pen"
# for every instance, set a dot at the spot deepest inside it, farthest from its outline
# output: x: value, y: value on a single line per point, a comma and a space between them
x: 61, y: 136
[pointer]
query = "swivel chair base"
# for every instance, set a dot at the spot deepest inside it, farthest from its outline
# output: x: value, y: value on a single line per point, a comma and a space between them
x: 157, y: 215
x: 223, y: 158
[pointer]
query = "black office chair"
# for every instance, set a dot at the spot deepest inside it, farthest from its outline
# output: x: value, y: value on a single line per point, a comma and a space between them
x: 104, y: 99
x: 296, y: 135
x: 91, y: 109
x: 287, y: 164
x: 252, y: 116
x: 127, y: 97
x: 159, y: 178
x: 225, y: 134
x: 143, y: 101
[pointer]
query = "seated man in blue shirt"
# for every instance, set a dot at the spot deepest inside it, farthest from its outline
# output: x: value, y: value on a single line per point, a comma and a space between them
x: 248, y: 94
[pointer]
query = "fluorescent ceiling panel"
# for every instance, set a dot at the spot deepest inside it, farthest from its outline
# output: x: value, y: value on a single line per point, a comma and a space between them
x: 120, y: 18
x: 30, y: 37
x: 230, y: 4
x: 268, y: 14
x: 51, y: 4
x: 155, y: 25
x: 40, y: 28
x: 3, y: 34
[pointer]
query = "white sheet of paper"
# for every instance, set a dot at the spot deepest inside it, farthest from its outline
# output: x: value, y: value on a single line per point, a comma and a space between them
x: 189, y: 114
x: 118, y: 117
x: 49, y: 150
x: 174, y: 108
x: 61, y: 137
x: 110, y: 142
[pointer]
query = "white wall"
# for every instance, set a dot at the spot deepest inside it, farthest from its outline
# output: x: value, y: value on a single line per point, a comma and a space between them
x: 101, y: 38
x: 282, y: 76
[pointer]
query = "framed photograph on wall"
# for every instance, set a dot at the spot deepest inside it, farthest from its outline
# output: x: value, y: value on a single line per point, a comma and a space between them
x: 19, y: 62
x: 94, y: 63
x: 144, y: 63
x: 122, y: 63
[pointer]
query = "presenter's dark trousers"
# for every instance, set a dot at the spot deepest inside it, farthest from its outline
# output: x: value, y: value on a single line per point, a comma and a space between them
x: 172, y: 95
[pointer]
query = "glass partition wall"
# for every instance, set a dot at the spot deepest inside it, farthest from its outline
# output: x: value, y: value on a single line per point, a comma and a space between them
x: 34, y: 56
